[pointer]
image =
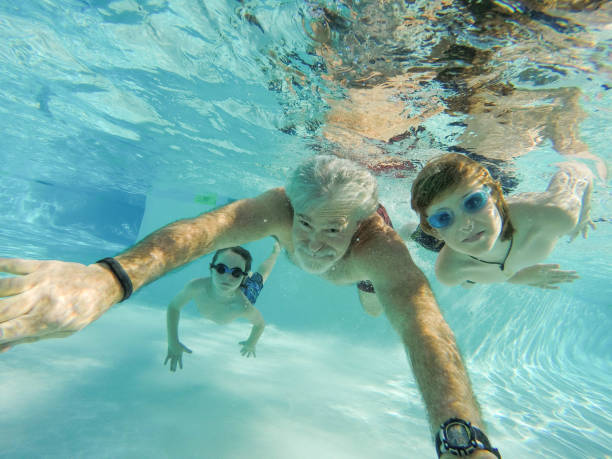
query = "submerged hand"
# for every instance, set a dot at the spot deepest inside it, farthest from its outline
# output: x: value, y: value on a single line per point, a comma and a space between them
x: 175, y: 355
x: 584, y: 222
x: 51, y: 299
x: 544, y: 276
x: 581, y: 186
x: 248, y: 349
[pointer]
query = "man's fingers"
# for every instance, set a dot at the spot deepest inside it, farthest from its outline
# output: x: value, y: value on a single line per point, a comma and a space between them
x: 167, y: 358
x: 20, y: 328
x: 12, y: 308
x: 19, y: 265
x: 12, y: 286
x: 26, y: 329
x: 30, y: 339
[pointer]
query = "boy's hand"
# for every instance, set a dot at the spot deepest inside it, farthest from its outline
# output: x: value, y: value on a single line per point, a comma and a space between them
x: 248, y: 349
x: 175, y: 355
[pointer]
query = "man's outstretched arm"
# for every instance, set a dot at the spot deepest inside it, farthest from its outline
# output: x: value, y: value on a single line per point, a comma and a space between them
x: 51, y: 299
x: 430, y: 344
x: 185, y: 240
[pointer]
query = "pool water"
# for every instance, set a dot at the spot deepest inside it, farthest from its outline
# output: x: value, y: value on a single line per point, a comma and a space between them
x: 122, y: 116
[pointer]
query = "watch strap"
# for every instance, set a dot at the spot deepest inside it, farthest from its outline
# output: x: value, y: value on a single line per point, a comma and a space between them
x: 482, y: 439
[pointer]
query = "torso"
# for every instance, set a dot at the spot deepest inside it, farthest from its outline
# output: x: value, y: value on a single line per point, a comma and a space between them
x: 219, y: 310
x: 532, y: 243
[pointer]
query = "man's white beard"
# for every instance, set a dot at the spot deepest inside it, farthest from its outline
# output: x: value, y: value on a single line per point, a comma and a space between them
x: 311, y: 265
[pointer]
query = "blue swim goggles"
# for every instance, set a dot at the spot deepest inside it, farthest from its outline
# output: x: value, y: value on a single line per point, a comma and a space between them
x: 471, y: 204
x: 223, y: 268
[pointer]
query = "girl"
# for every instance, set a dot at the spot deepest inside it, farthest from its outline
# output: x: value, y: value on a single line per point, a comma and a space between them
x: 487, y: 239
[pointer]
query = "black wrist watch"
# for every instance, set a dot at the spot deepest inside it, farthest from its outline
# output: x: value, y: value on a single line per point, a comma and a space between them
x: 461, y: 438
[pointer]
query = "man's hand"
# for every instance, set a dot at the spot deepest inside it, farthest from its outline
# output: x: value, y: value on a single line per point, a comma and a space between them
x: 175, y: 355
x: 51, y: 299
x: 543, y: 276
x: 248, y: 349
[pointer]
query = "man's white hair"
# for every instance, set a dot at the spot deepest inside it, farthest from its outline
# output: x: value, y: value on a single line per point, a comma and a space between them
x: 326, y: 178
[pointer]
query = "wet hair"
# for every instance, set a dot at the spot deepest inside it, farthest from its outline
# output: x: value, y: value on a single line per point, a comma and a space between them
x: 325, y: 178
x: 446, y: 173
x: 244, y: 253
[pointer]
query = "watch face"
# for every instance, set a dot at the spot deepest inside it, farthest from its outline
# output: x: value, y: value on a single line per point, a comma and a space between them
x: 458, y: 436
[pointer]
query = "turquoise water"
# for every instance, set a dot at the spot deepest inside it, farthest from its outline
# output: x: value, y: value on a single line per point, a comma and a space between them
x: 121, y: 116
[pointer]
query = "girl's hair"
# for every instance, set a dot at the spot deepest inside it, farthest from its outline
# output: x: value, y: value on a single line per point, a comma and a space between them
x: 448, y: 172
x: 325, y: 178
x: 244, y: 253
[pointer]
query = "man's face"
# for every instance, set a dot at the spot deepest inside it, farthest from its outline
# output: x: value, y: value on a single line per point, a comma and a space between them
x: 322, y: 235
x: 227, y: 282
x: 474, y: 224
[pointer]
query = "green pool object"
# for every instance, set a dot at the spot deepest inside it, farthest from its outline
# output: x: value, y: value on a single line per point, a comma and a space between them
x: 209, y: 199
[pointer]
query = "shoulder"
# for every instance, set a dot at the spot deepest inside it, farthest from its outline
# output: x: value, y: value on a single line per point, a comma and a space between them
x: 268, y: 214
x: 378, y: 252
x: 198, y: 285
x: 373, y: 231
x: 450, y: 267
x: 273, y: 207
x: 540, y: 212
x: 275, y: 199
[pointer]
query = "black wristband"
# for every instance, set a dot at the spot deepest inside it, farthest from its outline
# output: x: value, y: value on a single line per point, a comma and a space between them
x: 121, y: 275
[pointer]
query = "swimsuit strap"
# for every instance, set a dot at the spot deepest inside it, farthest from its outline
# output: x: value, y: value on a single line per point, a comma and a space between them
x: 384, y: 215
x: 502, y: 265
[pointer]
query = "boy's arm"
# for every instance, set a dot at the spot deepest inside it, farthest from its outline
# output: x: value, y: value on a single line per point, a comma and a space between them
x: 54, y: 299
x: 266, y: 266
x: 173, y: 312
x: 240, y: 222
x: 255, y: 317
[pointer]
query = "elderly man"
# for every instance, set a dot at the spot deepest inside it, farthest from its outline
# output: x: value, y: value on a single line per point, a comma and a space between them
x: 326, y: 221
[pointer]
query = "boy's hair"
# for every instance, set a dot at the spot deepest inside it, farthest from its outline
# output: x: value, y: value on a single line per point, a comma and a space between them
x: 447, y: 172
x: 244, y: 253
x: 329, y: 178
